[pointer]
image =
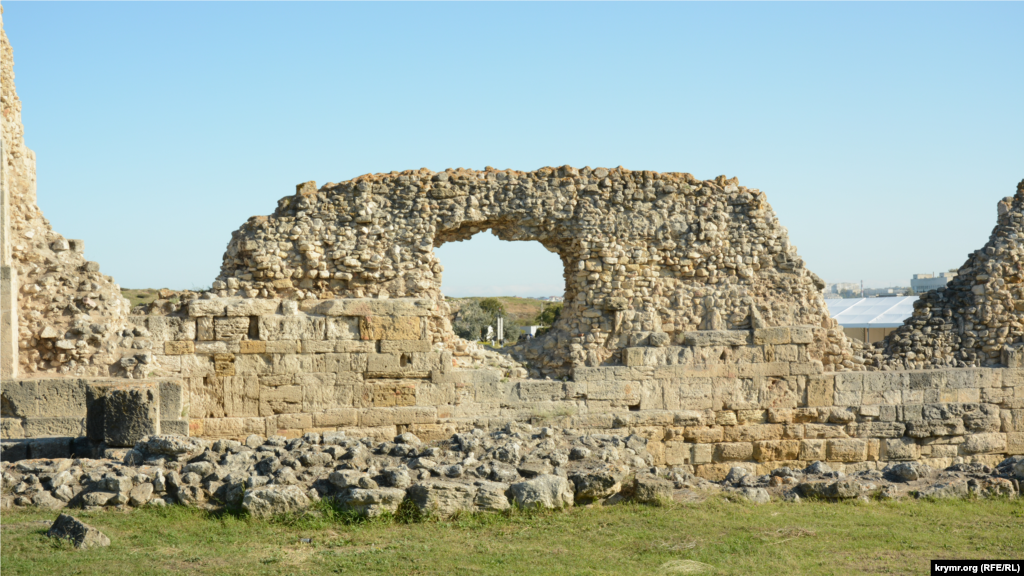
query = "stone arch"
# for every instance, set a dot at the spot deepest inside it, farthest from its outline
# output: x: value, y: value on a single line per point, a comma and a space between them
x: 644, y: 253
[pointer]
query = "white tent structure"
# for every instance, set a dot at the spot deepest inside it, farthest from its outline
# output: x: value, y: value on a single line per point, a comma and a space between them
x: 870, y: 319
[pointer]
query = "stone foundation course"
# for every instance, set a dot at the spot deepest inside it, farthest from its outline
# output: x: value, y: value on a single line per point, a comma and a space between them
x: 519, y: 466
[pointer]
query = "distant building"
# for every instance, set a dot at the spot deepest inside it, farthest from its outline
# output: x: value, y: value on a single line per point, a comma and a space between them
x: 841, y: 287
x: 882, y: 292
x: 925, y: 282
x: 529, y: 331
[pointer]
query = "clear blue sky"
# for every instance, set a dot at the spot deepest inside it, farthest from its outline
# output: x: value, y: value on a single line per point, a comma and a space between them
x: 882, y: 133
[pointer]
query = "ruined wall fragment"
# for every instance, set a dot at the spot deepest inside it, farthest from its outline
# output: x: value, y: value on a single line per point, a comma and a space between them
x: 69, y: 315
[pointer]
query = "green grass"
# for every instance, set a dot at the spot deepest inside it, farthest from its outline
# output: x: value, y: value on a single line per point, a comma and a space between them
x: 729, y: 538
x: 137, y: 297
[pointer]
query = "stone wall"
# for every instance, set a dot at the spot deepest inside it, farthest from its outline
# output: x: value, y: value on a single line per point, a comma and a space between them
x: 643, y: 252
x: 754, y: 398
x: 67, y: 316
x: 977, y: 315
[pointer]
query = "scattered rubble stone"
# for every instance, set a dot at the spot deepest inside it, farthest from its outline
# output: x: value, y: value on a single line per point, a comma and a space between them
x: 78, y: 532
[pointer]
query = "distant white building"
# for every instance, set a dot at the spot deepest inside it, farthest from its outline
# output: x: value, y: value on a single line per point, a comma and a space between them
x: 530, y: 331
x: 840, y: 287
x: 925, y: 282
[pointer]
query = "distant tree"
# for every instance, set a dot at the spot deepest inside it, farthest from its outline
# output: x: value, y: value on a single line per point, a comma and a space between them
x: 471, y: 321
x: 492, y: 306
x: 549, y: 315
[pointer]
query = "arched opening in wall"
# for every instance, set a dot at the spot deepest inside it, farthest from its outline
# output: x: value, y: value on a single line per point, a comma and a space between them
x: 523, y: 276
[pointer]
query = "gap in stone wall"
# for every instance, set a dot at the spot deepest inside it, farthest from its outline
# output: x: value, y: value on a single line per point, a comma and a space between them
x: 487, y: 266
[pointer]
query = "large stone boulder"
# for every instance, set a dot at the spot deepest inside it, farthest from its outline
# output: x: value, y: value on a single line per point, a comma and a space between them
x: 442, y: 499
x: 651, y: 489
x: 130, y: 413
x: 841, y: 490
x: 598, y: 483
x: 271, y: 500
x: 79, y: 533
x: 544, y: 491
x: 371, y: 502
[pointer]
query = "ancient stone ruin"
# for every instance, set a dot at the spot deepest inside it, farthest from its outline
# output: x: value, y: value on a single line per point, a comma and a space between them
x: 690, y: 322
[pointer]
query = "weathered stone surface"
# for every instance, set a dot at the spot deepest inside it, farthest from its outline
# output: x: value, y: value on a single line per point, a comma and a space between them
x: 131, y: 412
x: 79, y: 533
x: 372, y: 502
x: 271, y: 500
x: 545, y: 491
x: 841, y: 490
x: 443, y: 499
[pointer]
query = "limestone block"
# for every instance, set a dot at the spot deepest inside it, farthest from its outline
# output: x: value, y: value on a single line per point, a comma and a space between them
x: 782, y: 392
x: 695, y: 393
x: 64, y: 397
x: 825, y: 431
x: 223, y: 427
x: 774, y: 335
x: 336, y: 417
x: 626, y: 392
x: 812, y: 450
x: 54, y: 447
x: 1015, y: 443
x: 402, y: 346
x: 213, y: 307
x: 736, y: 394
x: 397, y: 416
x: 806, y: 368
x: 11, y: 428
x: 635, y: 357
x: 801, y: 334
x: 241, y: 396
x: 900, y: 449
x: 316, y: 346
x: 550, y: 390
x: 876, y: 429
x: 299, y: 363
x: 280, y: 400
x: 131, y: 412
x: 320, y: 393
x: 169, y: 328
x: 355, y: 347
x: 587, y: 374
x: 179, y: 347
x: 762, y: 370
x: 728, y: 451
x: 204, y: 328
x: 252, y: 307
x: 19, y: 398
x: 283, y: 347
x: 36, y: 426
x: 442, y: 498
x: 717, y: 338
x: 390, y: 328
x: 231, y: 329
x: 343, y: 328
x: 820, y: 390
x: 927, y: 379
x: 704, y: 434
x: 990, y: 443
x: 678, y: 453
x: 1013, y: 356
x: 196, y: 366
x: 294, y: 421
x: 298, y: 327
x: 253, y: 364
x: 376, y: 307
x: 224, y: 364
x: 172, y: 399
x: 703, y: 453
x: 206, y: 397
x: 252, y: 347
x: 847, y: 450
x: 775, y: 450
x: 215, y: 347
x: 753, y: 432
x: 174, y: 427
x: 386, y: 393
